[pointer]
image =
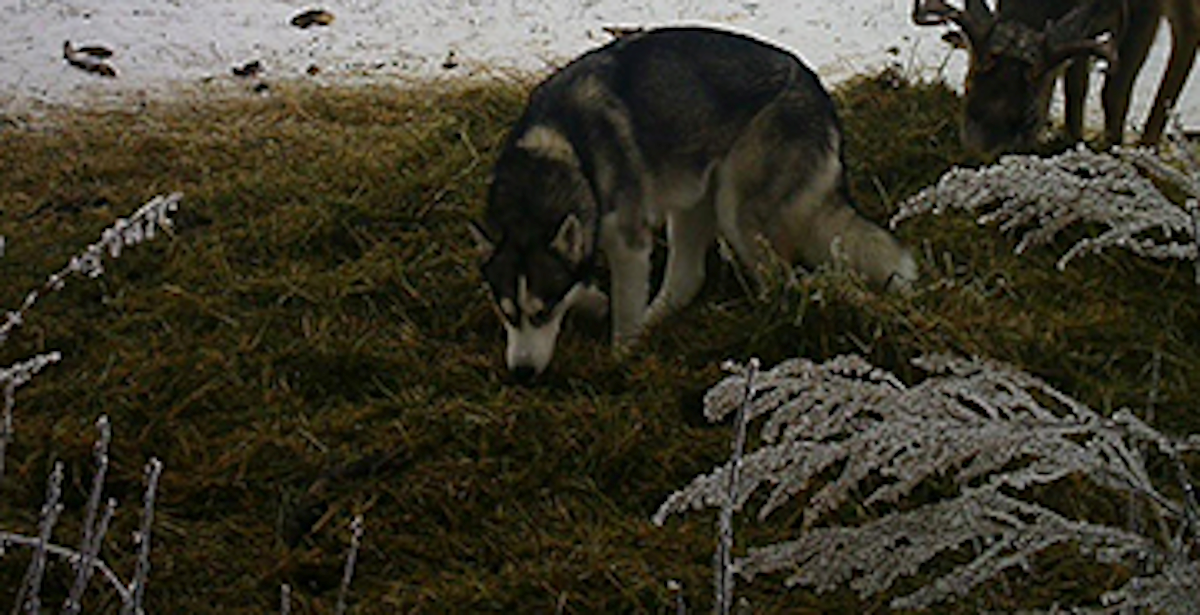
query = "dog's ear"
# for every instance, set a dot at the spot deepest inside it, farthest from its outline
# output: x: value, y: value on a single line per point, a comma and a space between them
x: 570, y: 242
x: 483, y: 245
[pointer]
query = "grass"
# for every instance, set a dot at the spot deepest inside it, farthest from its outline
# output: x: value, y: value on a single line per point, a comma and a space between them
x: 315, y: 342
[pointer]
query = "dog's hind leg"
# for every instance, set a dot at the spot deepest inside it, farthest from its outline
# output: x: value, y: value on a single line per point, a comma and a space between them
x: 689, y: 233
x: 806, y: 216
x: 735, y: 226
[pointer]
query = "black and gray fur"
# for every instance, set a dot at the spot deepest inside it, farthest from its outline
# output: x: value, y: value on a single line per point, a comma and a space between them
x: 708, y: 131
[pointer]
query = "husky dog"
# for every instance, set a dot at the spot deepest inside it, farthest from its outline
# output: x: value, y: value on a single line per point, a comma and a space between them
x: 710, y: 131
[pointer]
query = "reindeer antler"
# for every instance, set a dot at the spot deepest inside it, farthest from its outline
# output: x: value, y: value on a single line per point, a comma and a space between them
x: 933, y: 12
x: 1079, y: 32
x: 976, y: 20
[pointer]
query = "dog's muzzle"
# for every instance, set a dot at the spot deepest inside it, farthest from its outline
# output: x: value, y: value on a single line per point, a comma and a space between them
x: 530, y: 348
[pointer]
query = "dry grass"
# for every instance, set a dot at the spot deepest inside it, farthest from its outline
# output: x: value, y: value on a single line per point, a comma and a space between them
x: 314, y: 342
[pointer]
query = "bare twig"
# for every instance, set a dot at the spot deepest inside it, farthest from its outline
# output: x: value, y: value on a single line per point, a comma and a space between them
x: 724, y: 567
x: 356, y: 532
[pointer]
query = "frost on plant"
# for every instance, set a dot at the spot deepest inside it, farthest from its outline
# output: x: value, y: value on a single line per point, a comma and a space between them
x: 86, y: 558
x: 1044, y: 196
x: 11, y: 378
x: 844, y: 434
x: 144, y: 224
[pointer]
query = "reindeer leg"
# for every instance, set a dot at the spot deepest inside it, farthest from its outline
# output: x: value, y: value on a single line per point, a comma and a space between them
x: 1076, y: 85
x: 1131, y: 54
x: 1184, y: 40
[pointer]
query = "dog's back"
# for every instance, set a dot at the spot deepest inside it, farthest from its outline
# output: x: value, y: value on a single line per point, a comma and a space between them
x: 687, y: 92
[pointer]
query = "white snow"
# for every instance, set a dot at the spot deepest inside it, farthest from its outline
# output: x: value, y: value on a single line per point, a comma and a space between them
x: 163, y: 45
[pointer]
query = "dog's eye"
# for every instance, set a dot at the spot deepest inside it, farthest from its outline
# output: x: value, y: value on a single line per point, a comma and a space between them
x: 540, y: 318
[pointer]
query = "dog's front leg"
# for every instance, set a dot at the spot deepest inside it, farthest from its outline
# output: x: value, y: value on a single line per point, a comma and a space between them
x: 689, y: 234
x: 628, y: 258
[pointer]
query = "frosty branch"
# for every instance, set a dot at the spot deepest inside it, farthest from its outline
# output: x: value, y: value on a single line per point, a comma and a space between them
x: 845, y: 432
x: 144, y: 224
x: 1044, y: 196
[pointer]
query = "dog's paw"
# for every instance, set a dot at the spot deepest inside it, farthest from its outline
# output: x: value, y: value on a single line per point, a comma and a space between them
x: 623, y: 346
x: 658, y: 311
x: 593, y: 302
x: 621, y: 352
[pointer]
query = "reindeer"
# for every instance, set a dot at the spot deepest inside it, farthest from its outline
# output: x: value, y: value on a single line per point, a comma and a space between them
x: 1018, y: 52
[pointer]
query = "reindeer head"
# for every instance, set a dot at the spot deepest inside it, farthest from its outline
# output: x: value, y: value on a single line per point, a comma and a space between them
x: 1015, y: 58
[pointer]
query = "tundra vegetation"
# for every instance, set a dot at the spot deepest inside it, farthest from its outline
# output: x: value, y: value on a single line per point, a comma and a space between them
x: 312, y: 344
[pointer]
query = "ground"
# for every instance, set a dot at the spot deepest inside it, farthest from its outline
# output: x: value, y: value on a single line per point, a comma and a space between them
x: 313, y: 342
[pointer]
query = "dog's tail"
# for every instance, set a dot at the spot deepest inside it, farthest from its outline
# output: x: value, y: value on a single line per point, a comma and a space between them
x: 832, y: 231
x: 821, y: 225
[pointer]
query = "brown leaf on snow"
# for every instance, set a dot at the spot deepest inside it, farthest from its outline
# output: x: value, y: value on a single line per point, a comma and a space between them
x: 249, y: 69
x: 312, y: 17
x: 89, y: 58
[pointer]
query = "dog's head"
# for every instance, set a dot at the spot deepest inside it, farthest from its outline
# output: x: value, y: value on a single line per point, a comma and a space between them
x: 536, y: 251
x: 533, y: 286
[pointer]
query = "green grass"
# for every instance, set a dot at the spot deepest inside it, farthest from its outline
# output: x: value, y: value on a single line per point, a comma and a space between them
x: 314, y: 342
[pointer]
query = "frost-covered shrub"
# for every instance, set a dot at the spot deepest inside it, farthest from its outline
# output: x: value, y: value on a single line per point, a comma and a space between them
x: 144, y: 224
x: 845, y: 434
x: 1044, y: 196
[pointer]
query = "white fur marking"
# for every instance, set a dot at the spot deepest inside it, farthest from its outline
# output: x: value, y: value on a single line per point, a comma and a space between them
x: 529, y: 304
x: 509, y: 308
x: 550, y: 144
x: 533, y: 346
x: 530, y: 346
